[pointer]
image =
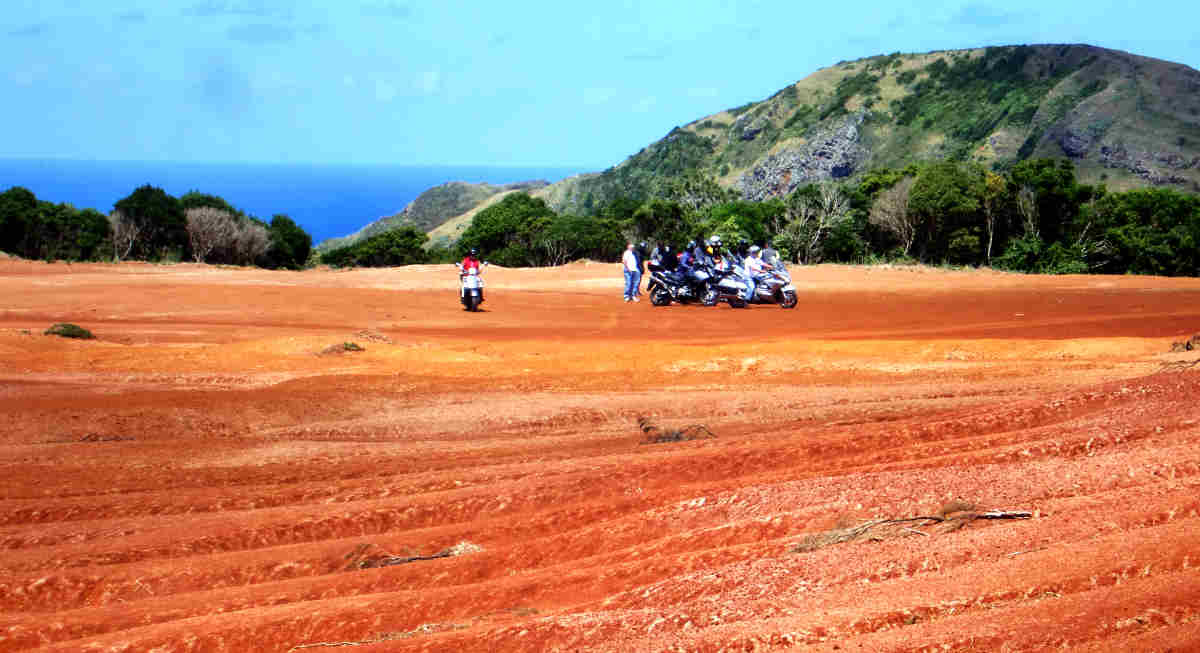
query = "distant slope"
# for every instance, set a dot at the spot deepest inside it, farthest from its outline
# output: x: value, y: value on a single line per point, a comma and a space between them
x: 432, y: 208
x: 450, y: 230
x: 1125, y: 120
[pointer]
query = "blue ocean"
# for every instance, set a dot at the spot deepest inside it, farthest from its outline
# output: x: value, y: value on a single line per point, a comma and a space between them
x: 327, y: 200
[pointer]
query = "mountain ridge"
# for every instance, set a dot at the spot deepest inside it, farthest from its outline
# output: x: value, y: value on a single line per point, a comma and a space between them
x: 1123, y: 119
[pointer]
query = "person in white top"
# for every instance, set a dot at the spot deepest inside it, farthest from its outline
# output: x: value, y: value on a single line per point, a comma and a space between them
x: 755, y: 265
x: 633, y: 273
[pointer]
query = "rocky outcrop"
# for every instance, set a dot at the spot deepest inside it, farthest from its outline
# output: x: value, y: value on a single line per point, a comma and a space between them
x: 833, y: 153
x: 748, y: 126
x: 1075, y: 140
x: 1148, y: 165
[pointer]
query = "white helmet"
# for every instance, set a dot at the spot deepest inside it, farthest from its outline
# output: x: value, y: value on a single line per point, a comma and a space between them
x: 715, y: 240
x: 754, y: 249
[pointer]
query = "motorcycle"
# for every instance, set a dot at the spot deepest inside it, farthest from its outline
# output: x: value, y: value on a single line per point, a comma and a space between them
x: 730, y: 285
x: 775, y: 287
x: 666, y: 286
x: 471, y: 287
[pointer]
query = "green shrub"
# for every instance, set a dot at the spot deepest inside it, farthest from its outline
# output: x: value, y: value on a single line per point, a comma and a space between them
x: 67, y: 330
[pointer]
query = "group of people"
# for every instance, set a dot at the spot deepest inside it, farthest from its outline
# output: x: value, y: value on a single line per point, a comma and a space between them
x: 711, y: 253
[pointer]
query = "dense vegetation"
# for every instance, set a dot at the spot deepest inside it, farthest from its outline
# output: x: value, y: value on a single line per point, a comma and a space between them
x: 150, y: 225
x: 1124, y: 120
x: 1034, y: 217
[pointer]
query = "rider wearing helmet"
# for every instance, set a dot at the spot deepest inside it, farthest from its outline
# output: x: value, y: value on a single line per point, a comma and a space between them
x: 714, y: 251
x: 742, y: 251
x: 687, y: 257
x: 471, y: 260
x: 667, y: 258
x: 755, y: 265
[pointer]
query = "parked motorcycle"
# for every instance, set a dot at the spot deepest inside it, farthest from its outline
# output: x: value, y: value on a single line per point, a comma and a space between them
x: 730, y: 285
x: 471, y: 286
x: 666, y: 286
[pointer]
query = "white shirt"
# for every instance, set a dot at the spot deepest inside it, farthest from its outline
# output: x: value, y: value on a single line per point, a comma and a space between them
x: 754, y: 265
x: 630, y: 261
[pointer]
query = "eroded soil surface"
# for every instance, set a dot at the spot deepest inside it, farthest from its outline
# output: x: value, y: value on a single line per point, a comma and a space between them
x: 201, y: 477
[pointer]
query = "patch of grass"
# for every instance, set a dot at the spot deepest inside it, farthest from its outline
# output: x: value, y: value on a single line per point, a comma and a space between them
x: 968, y: 98
x: 68, y: 330
x: 863, y: 84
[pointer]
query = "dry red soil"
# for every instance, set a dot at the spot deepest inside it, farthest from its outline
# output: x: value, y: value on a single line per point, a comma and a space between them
x: 202, y: 478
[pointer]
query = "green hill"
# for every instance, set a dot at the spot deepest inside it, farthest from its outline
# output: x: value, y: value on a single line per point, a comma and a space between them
x: 1123, y: 119
x: 433, y: 208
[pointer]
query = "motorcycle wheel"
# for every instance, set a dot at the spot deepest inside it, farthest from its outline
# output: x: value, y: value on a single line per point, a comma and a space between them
x: 472, y: 303
x: 709, y: 298
x: 789, y: 300
x: 660, y: 297
x: 737, y: 303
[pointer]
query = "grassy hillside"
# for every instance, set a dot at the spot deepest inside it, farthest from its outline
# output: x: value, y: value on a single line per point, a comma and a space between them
x: 433, y: 208
x: 1124, y: 120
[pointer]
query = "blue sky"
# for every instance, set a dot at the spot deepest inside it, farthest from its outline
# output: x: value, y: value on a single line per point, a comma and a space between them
x: 466, y: 83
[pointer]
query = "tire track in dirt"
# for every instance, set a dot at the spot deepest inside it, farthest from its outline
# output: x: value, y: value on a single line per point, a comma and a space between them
x: 238, y: 517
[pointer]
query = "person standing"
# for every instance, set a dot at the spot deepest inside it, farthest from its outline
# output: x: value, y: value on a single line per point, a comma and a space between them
x: 770, y: 255
x: 633, y: 273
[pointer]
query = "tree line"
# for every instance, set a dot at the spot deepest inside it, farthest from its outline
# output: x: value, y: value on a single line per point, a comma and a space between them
x: 149, y: 225
x: 1033, y: 217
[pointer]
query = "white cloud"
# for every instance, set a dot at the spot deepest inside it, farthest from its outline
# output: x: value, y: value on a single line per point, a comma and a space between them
x: 429, y: 82
x: 385, y: 91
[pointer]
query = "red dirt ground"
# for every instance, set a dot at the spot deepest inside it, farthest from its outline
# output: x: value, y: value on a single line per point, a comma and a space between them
x: 200, y: 478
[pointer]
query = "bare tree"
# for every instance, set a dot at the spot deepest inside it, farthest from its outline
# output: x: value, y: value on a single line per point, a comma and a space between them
x: 209, y: 228
x: 834, y: 207
x: 809, y: 221
x: 994, y: 186
x: 125, y: 234
x: 558, y: 248
x: 890, y: 213
x: 250, y: 241
x: 1027, y: 205
x: 798, y: 219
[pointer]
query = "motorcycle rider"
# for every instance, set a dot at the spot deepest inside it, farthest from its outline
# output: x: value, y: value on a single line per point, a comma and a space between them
x: 755, y: 263
x: 687, y: 258
x: 669, y: 262
x: 700, y: 253
x: 742, y: 251
x: 717, y: 258
x: 471, y: 260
